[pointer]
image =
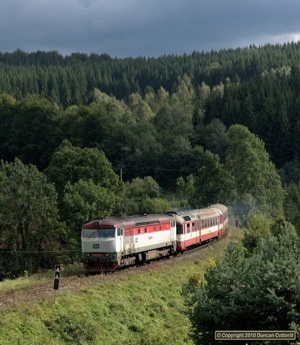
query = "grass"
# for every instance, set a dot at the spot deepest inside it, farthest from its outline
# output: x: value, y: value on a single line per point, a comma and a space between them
x: 26, y: 281
x: 136, y: 308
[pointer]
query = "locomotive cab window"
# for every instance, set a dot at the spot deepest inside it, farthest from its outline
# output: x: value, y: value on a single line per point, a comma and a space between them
x: 106, y: 233
x: 179, y: 229
x: 89, y: 233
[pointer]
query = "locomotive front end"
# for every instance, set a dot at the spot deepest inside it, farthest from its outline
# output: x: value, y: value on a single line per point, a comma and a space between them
x: 100, y: 246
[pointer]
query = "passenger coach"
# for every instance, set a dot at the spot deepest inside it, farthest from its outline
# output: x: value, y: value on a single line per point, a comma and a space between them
x: 200, y: 225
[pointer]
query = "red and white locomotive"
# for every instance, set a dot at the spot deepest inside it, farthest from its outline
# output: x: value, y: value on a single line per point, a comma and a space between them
x: 116, y: 242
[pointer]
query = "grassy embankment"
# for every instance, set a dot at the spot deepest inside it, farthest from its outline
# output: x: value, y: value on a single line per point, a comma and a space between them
x: 135, y: 308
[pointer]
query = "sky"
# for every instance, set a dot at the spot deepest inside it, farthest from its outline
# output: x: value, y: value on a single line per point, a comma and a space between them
x: 147, y: 28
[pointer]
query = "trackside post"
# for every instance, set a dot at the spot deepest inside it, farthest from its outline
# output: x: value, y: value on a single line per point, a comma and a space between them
x: 56, y: 277
x: 56, y: 280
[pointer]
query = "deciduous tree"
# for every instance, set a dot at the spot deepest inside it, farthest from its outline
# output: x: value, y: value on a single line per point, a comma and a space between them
x: 28, y: 216
x: 254, y: 174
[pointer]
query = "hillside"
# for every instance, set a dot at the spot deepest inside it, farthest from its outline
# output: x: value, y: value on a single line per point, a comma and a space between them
x: 143, y: 306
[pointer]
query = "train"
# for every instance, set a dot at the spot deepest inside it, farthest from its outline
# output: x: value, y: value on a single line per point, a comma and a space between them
x: 115, y: 242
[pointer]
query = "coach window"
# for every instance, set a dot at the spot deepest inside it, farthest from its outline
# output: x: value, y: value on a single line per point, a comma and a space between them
x: 155, y: 228
x: 120, y: 232
x: 139, y: 231
x: 160, y: 227
x: 193, y: 226
x: 188, y: 228
x: 145, y: 230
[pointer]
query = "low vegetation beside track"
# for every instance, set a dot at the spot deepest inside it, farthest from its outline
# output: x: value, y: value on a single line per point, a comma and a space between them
x: 132, y: 307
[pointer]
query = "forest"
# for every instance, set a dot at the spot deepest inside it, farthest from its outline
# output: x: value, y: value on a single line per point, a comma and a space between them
x: 87, y: 136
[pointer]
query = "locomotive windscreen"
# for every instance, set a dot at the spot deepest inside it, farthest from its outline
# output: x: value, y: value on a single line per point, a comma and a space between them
x: 99, y: 233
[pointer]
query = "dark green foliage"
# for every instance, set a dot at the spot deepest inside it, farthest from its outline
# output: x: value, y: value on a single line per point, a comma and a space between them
x: 257, y: 87
x: 29, y: 218
x: 257, y: 182
x: 86, y: 184
x: 83, y: 201
x: 214, y: 124
x: 257, y: 226
x: 212, y: 182
x: 258, y: 292
x: 28, y: 130
x: 70, y: 164
x: 283, y: 227
x: 142, y: 196
x: 169, y: 102
x: 292, y: 204
x: 214, y: 138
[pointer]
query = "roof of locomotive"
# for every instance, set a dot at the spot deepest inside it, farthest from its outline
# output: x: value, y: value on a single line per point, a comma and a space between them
x: 128, y: 221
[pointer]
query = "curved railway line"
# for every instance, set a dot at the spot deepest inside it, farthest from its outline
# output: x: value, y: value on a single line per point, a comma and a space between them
x: 44, y: 290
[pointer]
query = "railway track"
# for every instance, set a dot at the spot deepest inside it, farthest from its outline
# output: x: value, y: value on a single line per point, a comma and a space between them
x: 44, y: 290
